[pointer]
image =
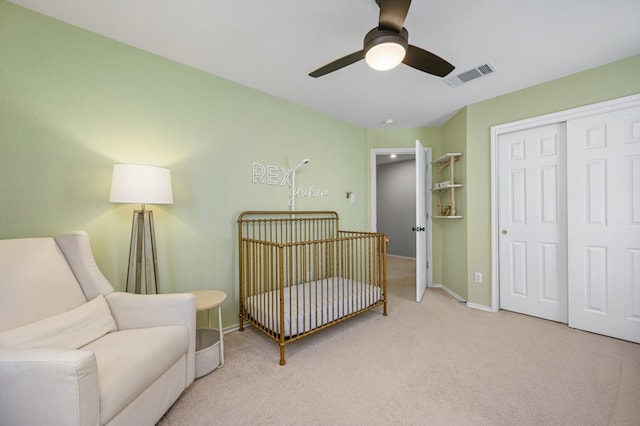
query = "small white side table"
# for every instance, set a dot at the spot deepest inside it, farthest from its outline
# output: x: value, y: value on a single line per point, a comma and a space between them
x: 206, y: 360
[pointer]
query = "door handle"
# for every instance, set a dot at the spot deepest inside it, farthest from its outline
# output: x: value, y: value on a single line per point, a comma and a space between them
x: 504, y: 232
x: 417, y: 229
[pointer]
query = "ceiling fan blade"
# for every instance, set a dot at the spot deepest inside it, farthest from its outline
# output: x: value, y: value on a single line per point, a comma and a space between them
x: 393, y: 13
x: 338, y: 63
x: 425, y: 61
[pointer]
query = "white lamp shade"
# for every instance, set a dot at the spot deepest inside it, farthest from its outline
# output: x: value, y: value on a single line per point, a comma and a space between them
x: 140, y: 184
x: 385, y: 56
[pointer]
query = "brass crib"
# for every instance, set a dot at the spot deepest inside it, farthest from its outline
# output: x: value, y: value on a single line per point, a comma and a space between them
x: 299, y: 273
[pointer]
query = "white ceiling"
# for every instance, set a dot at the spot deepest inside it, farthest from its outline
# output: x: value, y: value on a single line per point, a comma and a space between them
x: 272, y: 45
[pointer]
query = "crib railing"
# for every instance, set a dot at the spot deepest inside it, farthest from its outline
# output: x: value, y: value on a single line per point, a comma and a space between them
x: 287, y: 227
x: 299, y: 273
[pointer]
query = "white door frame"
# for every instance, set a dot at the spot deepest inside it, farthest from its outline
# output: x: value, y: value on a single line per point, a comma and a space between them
x: 496, y: 131
x: 374, y: 202
x: 422, y: 170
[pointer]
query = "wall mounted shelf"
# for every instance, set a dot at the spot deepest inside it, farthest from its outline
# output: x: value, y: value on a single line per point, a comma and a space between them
x: 446, y: 185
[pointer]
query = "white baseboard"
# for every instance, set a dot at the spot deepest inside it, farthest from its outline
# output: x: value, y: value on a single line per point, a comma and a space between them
x: 400, y: 257
x: 480, y: 307
x: 461, y: 299
x: 451, y: 292
x: 234, y: 327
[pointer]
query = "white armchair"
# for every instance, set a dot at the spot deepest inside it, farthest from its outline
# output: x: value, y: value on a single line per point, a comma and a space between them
x: 75, y: 352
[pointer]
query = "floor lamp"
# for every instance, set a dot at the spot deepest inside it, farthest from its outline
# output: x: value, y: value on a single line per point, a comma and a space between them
x: 140, y: 184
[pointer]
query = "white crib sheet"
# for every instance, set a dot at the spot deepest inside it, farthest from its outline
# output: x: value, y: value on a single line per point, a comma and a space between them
x: 312, y: 304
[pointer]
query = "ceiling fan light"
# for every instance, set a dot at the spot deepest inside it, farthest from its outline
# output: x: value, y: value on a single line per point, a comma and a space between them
x: 385, y: 56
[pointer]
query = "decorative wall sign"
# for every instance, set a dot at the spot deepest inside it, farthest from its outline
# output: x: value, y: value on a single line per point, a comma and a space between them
x: 268, y: 174
x: 310, y: 191
x: 271, y: 175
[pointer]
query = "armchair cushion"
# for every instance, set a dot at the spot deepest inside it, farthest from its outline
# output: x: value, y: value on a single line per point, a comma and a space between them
x: 148, y: 353
x: 68, y: 330
x: 36, y: 282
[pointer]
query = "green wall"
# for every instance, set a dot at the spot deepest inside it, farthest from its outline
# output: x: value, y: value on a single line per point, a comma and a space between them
x: 73, y: 103
x: 462, y: 247
x: 453, y: 232
x: 618, y: 79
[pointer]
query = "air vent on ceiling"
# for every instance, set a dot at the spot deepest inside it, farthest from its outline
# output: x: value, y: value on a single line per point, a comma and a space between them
x: 472, y: 74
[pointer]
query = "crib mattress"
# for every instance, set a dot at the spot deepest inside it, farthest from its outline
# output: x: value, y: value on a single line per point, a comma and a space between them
x: 312, y: 304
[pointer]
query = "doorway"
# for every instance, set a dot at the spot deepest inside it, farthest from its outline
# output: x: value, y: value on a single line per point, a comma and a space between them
x: 408, y: 229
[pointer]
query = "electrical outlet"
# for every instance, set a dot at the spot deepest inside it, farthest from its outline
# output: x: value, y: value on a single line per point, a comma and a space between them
x: 477, y: 277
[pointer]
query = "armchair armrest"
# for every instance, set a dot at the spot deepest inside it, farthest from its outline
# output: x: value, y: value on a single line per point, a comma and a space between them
x: 49, y: 386
x: 152, y: 310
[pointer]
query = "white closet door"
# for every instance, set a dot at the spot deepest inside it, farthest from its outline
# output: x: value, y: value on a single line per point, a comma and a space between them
x: 604, y: 223
x: 532, y: 222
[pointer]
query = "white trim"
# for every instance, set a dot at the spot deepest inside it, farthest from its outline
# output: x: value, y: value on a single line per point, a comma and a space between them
x: 234, y: 328
x: 401, y: 257
x: 429, y: 201
x: 496, y: 131
x: 451, y: 292
x: 569, y: 114
x: 480, y: 307
x: 374, y: 216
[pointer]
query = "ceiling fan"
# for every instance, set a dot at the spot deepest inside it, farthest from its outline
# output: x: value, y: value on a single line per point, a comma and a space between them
x: 388, y: 44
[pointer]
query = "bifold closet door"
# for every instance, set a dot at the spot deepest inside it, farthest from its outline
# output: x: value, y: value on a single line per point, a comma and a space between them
x: 603, y: 210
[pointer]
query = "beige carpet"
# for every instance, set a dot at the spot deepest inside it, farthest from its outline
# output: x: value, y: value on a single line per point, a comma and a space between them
x: 437, y: 362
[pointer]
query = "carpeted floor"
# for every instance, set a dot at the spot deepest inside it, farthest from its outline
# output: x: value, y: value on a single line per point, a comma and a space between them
x: 437, y: 362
